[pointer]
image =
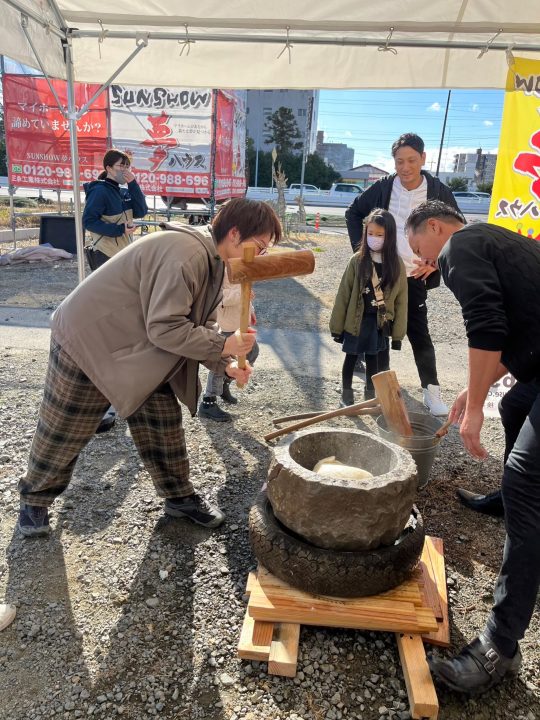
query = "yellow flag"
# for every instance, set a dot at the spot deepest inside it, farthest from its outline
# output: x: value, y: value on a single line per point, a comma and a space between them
x: 515, y: 202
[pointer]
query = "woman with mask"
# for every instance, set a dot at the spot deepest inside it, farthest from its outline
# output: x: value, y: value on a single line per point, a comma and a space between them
x: 371, y: 303
x: 109, y: 209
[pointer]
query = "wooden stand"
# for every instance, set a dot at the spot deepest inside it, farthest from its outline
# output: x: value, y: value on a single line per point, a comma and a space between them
x: 416, y: 611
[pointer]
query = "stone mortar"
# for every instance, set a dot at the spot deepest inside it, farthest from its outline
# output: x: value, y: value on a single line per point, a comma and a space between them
x: 336, y: 513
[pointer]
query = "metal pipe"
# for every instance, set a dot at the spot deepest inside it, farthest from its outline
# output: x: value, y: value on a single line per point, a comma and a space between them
x: 24, y: 10
x: 213, y: 154
x: 140, y: 45
x: 297, y: 40
x: 75, y: 169
x: 24, y: 25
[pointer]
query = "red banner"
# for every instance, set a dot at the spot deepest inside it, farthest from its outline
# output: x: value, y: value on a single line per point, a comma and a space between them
x: 37, y: 134
x: 230, y: 174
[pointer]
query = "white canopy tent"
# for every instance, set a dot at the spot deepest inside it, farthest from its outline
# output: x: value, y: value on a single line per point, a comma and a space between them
x: 277, y: 44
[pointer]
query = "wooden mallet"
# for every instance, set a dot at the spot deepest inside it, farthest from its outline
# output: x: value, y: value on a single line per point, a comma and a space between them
x: 256, y: 268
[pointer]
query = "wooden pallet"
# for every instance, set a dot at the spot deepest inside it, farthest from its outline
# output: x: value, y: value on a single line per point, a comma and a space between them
x: 416, y: 611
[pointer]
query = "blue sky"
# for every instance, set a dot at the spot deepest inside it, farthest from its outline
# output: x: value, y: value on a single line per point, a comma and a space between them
x: 370, y: 120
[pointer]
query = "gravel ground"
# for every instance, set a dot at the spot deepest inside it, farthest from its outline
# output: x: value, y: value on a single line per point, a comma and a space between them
x: 125, y: 613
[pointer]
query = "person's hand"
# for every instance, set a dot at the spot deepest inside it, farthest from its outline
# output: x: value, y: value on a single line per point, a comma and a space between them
x: 457, y: 410
x: 128, y: 175
x: 239, y: 343
x: 422, y: 270
x: 241, y: 375
x: 130, y: 229
x: 253, y: 318
x: 470, y: 433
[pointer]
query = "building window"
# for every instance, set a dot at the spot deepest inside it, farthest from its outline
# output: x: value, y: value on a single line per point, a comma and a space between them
x: 302, y: 112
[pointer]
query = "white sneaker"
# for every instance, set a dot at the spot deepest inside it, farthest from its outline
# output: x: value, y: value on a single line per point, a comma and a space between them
x: 433, y: 402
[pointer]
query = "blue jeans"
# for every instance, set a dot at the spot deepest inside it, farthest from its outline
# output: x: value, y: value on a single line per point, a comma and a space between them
x: 214, y: 384
x: 519, y: 578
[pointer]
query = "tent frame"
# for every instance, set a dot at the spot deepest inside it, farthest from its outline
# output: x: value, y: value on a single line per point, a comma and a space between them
x: 288, y: 38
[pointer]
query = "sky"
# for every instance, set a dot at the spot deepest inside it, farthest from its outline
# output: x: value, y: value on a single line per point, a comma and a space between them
x: 370, y: 120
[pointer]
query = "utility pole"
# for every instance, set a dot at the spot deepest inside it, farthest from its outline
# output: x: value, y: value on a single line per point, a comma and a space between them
x: 442, y: 134
x: 307, y: 137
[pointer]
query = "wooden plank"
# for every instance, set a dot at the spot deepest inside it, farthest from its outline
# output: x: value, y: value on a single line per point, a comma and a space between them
x: 361, y: 613
x: 252, y: 578
x: 436, y: 554
x: 420, y: 689
x: 408, y: 591
x: 254, y: 644
x: 392, y: 404
x: 284, y: 650
x: 429, y: 585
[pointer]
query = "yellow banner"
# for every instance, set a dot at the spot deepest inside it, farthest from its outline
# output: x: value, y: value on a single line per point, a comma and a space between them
x: 516, y: 190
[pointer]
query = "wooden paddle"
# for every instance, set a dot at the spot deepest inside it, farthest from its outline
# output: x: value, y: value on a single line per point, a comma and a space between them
x: 392, y: 404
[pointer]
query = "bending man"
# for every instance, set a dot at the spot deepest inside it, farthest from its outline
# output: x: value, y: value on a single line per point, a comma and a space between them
x: 495, y: 276
x: 133, y: 334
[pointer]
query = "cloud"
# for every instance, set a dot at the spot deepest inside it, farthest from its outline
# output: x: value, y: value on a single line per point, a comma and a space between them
x: 347, y: 133
x: 436, y: 107
x: 487, y: 123
x: 475, y: 107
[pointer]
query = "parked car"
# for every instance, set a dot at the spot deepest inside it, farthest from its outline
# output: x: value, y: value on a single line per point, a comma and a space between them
x: 339, y: 195
x: 473, y: 202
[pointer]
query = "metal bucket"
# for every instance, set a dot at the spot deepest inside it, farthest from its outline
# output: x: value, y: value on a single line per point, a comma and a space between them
x: 422, y: 445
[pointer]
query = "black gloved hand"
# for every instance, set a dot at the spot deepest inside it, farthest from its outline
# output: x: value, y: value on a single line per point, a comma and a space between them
x: 337, y: 338
x: 396, y: 345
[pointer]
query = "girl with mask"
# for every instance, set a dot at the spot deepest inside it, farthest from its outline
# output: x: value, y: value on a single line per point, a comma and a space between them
x: 109, y: 209
x: 371, y: 303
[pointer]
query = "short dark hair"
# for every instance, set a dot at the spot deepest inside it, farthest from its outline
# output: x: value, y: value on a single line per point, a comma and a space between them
x: 111, y: 157
x: 433, y: 209
x: 249, y: 217
x: 408, y: 140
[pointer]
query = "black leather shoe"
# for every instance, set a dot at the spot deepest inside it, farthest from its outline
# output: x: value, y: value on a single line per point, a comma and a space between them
x: 478, y: 667
x: 490, y: 504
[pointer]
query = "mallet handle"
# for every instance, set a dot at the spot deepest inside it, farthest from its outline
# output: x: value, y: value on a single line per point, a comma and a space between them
x: 369, y: 407
x: 245, y: 303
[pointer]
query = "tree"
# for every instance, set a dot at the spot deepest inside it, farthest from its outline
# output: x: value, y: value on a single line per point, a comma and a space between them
x: 457, y: 183
x: 486, y: 187
x: 282, y: 131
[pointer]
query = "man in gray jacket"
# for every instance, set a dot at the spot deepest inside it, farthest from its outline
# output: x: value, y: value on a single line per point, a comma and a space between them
x: 133, y: 334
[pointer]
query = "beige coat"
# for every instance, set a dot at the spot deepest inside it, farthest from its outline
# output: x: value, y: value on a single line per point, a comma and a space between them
x: 147, y: 316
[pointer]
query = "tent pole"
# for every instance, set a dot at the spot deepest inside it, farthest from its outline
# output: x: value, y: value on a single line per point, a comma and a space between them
x: 213, y: 155
x: 75, y: 169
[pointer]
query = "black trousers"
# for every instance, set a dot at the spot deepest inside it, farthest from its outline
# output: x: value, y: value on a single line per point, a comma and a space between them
x: 519, y: 578
x: 418, y: 333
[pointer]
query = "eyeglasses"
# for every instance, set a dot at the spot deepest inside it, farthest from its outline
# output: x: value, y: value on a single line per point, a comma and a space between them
x: 261, y: 247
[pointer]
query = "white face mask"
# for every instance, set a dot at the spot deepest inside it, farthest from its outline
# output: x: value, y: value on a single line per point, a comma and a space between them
x: 375, y: 243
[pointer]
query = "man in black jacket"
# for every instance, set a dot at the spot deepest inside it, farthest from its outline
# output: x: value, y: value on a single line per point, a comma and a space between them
x: 400, y: 193
x: 495, y: 276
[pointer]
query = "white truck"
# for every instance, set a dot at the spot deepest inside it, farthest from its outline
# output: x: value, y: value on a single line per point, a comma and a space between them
x: 340, y: 194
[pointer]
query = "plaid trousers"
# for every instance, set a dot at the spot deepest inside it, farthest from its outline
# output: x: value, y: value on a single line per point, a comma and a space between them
x: 69, y: 416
